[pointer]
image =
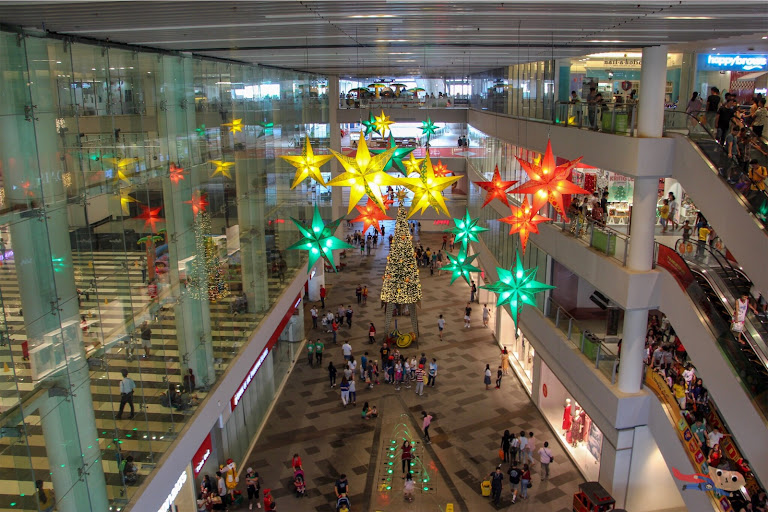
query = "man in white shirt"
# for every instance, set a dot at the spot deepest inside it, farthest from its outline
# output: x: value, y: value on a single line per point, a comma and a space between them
x: 545, y: 457
x: 346, y: 349
x: 523, y: 446
x: 529, y: 448
x: 313, y: 312
x: 126, y: 394
x: 715, y: 436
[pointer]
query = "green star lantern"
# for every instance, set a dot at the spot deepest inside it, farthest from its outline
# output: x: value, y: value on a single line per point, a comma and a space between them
x: 397, y: 155
x: 428, y: 128
x: 516, y: 287
x: 466, y: 230
x: 461, y: 265
x: 319, y: 240
x: 370, y: 124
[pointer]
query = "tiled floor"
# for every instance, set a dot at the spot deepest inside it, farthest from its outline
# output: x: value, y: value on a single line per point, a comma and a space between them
x: 310, y: 419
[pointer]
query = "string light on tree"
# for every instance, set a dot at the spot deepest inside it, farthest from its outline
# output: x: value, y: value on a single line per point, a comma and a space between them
x: 307, y: 165
x: 496, y: 188
x: 319, y: 240
x: 524, y: 220
x: 516, y: 287
x: 461, y: 265
x: 207, y: 280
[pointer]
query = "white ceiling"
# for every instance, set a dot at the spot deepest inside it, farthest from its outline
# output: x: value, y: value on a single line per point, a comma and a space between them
x: 402, y: 38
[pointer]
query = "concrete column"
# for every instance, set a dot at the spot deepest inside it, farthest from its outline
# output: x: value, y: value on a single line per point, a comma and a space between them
x: 653, y: 82
x: 313, y: 287
x: 338, y: 208
x: 251, y: 218
x: 633, y: 350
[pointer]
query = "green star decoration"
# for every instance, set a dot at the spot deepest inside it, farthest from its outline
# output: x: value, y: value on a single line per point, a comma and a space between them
x: 370, y: 124
x: 516, y: 287
x: 200, y: 131
x: 397, y: 155
x: 461, y: 265
x: 428, y: 128
x: 466, y: 229
x: 319, y: 241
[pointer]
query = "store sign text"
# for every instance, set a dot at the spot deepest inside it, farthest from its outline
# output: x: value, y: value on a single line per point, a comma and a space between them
x: 174, y: 492
x: 248, y: 378
x: 736, y: 62
x: 622, y: 62
x: 202, y: 454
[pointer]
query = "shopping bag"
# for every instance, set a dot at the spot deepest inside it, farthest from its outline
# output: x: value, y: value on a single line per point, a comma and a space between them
x: 737, y: 326
x: 501, y: 454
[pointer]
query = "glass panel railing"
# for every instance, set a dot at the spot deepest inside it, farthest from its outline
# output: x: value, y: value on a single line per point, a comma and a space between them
x: 615, y: 118
x: 408, y: 100
x: 730, y: 156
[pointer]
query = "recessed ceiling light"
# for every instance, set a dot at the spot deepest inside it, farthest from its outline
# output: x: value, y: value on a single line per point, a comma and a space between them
x: 392, y: 40
x: 688, y: 17
x: 372, y: 16
x: 714, y: 48
x: 606, y: 41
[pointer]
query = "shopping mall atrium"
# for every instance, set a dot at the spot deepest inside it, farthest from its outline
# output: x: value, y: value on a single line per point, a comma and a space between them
x: 496, y: 224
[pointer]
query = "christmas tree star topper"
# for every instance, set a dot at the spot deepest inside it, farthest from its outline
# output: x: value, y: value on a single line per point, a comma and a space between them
x: 496, y: 188
x: 549, y: 182
x: 461, y: 265
x: 517, y: 287
x: 307, y: 165
x: 524, y: 220
x: 319, y: 240
x: 466, y: 229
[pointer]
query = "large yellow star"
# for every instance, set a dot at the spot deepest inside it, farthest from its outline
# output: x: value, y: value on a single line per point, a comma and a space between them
x: 121, y: 171
x: 124, y: 200
x: 427, y: 189
x: 222, y: 168
x: 307, y: 165
x: 235, y: 126
x: 364, y: 175
x: 412, y: 165
x: 382, y: 123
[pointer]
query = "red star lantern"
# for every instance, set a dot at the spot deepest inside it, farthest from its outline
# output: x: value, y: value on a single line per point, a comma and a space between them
x: 176, y: 173
x: 496, y: 188
x: 26, y: 186
x: 150, y: 216
x: 199, y: 202
x: 370, y: 216
x: 524, y: 220
x: 388, y: 202
x: 549, y: 182
x: 440, y: 169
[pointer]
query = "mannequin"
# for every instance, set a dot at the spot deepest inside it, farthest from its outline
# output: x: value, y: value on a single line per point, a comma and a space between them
x: 586, y: 423
x: 576, y: 428
x: 567, y: 415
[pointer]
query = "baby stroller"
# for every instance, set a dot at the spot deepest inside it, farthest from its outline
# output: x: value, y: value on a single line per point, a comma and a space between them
x: 343, y: 504
x: 299, y: 483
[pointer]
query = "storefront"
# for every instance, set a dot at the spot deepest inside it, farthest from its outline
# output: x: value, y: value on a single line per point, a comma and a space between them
x: 577, y: 432
x: 741, y: 74
x: 181, y: 496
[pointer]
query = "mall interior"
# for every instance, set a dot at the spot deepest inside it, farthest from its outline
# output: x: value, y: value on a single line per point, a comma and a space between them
x: 147, y: 221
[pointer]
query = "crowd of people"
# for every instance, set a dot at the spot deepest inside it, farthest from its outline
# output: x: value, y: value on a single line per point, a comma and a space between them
x: 521, y: 453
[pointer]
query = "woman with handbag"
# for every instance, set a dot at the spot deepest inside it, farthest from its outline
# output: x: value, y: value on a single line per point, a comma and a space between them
x: 739, y: 316
x: 525, y: 482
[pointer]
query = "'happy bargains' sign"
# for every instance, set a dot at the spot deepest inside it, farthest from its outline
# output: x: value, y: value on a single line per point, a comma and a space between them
x: 198, y: 461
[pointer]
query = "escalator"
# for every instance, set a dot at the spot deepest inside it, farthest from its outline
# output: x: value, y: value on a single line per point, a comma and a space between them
x: 722, y: 188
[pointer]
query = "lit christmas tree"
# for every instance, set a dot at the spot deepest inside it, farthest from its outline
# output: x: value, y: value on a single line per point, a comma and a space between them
x: 207, y: 279
x: 402, y: 285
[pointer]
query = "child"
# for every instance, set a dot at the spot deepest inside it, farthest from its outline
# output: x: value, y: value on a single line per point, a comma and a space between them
x: 686, y: 229
x: 408, y: 488
x: 664, y: 215
x: 499, y: 374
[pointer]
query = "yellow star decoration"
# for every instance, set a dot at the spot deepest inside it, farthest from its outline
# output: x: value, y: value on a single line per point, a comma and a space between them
x: 427, y: 189
x: 364, y: 175
x: 382, y: 123
x: 307, y: 165
x: 121, y: 165
x: 235, y: 126
x: 412, y: 165
x: 222, y: 168
x: 124, y: 200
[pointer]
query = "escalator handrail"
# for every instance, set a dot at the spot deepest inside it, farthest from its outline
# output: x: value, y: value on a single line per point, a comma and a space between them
x: 714, y: 254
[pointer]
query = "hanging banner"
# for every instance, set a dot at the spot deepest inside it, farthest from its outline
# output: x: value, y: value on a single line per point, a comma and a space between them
x: 669, y: 260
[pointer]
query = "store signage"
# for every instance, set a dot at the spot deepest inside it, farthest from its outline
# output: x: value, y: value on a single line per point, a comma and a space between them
x: 622, y: 63
x: 713, y: 62
x: 441, y: 222
x: 669, y: 260
x: 202, y: 455
x: 544, y: 390
x: 168, y: 503
x: 248, y: 378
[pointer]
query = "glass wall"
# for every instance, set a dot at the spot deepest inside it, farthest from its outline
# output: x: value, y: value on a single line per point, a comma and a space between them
x: 143, y: 224
x: 525, y: 90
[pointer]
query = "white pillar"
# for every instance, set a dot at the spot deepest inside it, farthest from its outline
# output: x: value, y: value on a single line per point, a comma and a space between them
x: 337, y: 204
x: 632, y: 350
x: 313, y: 287
x: 644, y: 198
x: 653, y: 83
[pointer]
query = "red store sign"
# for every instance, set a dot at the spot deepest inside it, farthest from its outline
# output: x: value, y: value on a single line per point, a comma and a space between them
x: 202, y: 455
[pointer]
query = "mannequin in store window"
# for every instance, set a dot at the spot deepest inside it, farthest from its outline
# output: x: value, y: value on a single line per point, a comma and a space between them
x: 576, y: 425
x: 567, y: 415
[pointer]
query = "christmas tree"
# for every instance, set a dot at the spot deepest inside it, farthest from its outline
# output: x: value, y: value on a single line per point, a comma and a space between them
x: 207, y: 279
x: 402, y: 285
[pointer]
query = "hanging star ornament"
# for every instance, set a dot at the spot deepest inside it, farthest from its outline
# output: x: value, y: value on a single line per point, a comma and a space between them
x: 496, y: 188
x: 370, y: 124
x: 198, y: 202
x: 549, y: 182
x: 125, y: 199
x: 175, y: 173
x: 121, y: 171
x: 307, y: 165
x: 466, y: 230
x: 200, y: 130
x: 428, y: 128
x: 524, y: 220
x: 516, y: 287
x: 441, y: 170
x: 235, y: 126
x: 150, y: 216
x: 461, y: 265
x: 364, y: 175
x: 222, y: 168
x: 412, y: 165
x: 397, y: 155
x: 382, y: 123
x: 428, y: 189
x: 319, y: 240
x: 370, y: 216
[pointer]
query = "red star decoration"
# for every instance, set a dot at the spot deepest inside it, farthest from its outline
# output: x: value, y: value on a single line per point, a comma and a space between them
x: 26, y: 186
x: 150, y: 215
x: 524, y: 220
x: 388, y: 202
x: 199, y: 202
x: 370, y: 216
x: 549, y: 182
x: 176, y: 173
x: 495, y: 188
x: 440, y: 169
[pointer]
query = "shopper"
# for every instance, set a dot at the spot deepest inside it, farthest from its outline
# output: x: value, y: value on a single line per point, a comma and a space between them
x: 319, y: 347
x: 525, y: 481
x: 344, y: 388
x: 530, y: 449
x: 332, y: 374
x: 334, y: 329
x: 221, y: 486
x: 420, y: 380
x: 545, y: 457
x: 365, y: 295
x: 472, y: 291
x: 440, y: 326
x: 432, y: 373
x: 515, y: 476
x: 426, y: 421
x: 310, y: 353
x: 253, y: 485
x: 371, y: 334
x: 313, y: 312
x: 408, y: 488
x: 348, y: 314
x: 322, y: 296
x: 346, y: 349
x: 467, y: 315
x: 406, y: 456
x: 505, y: 360
x: 739, y: 317
x: 359, y: 293
x: 497, y: 477
x: 146, y: 338
x: 352, y: 391
x: 127, y: 386
x: 487, y: 378
x: 506, y: 444
x: 486, y: 315
x: 499, y: 374
x: 514, y: 446
x: 672, y: 212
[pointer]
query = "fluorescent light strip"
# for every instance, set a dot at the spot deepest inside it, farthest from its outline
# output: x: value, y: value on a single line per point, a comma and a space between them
x: 223, y: 26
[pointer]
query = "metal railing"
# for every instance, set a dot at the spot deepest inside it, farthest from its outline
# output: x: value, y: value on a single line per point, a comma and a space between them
x: 596, y: 234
